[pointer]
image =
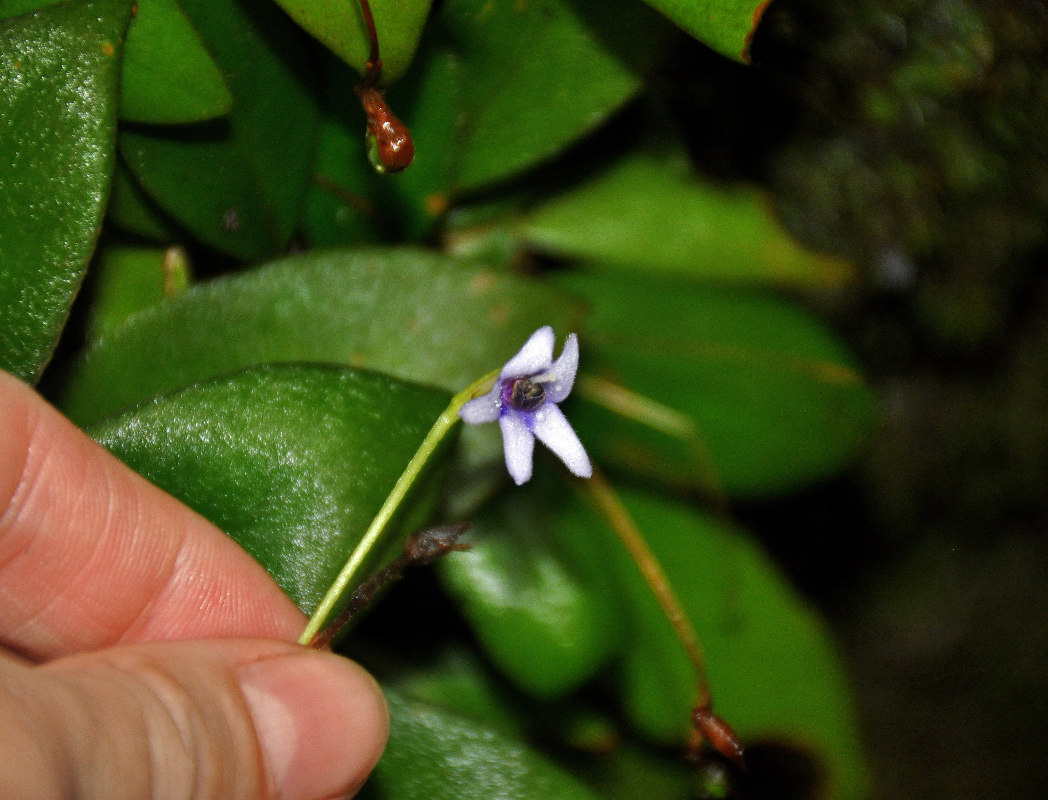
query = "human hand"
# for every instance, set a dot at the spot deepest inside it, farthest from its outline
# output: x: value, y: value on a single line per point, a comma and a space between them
x: 120, y: 676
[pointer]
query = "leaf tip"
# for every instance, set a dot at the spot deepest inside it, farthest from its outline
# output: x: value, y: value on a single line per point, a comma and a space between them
x: 758, y: 13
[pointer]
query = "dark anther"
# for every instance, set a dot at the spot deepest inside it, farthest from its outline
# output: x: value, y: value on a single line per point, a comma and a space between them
x: 527, y: 396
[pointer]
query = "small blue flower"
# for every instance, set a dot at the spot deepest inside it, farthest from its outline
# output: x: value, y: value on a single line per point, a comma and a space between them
x: 524, y: 401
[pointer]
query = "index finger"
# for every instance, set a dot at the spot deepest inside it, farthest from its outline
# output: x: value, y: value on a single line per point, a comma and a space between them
x: 92, y: 554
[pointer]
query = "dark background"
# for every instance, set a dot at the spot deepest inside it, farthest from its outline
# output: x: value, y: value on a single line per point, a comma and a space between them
x: 912, y: 137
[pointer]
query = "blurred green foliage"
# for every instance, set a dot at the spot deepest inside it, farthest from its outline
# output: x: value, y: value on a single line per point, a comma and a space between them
x: 283, y: 401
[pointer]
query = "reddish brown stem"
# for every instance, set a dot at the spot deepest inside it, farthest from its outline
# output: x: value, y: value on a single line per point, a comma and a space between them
x: 708, y: 725
x: 389, y: 142
x: 373, y: 68
x: 424, y: 547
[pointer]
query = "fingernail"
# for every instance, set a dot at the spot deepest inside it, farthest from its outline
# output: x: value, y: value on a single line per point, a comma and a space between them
x: 321, y: 723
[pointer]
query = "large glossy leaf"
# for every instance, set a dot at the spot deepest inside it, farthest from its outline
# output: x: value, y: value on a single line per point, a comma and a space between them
x: 534, y: 588
x: 539, y: 76
x: 169, y: 76
x: 771, y: 662
x: 439, y: 755
x: 292, y: 461
x: 733, y: 391
x: 339, y: 24
x: 653, y: 213
x: 410, y: 313
x: 59, y: 69
x: 237, y: 183
x: 725, y: 25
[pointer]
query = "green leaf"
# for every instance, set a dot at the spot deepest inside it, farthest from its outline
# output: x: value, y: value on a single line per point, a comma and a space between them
x: 471, y: 124
x: 439, y: 755
x: 339, y: 24
x: 340, y: 207
x: 418, y: 198
x: 169, y: 76
x: 653, y: 213
x: 126, y: 280
x: 773, y: 670
x: 457, y: 680
x: 348, y: 202
x: 539, y: 76
x: 293, y: 461
x: 719, y: 389
x: 535, y: 591
x: 13, y: 8
x: 413, y: 314
x: 727, y: 26
x: 629, y: 772
x: 59, y: 68
x: 132, y: 210
x: 237, y: 183
x: 772, y: 665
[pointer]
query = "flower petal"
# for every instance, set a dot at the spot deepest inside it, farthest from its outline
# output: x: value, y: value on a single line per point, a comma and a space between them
x: 519, y: 444
x: 553, y: 430
x: 563, y: 371
x: 535, y: 356
x: 485, y: 408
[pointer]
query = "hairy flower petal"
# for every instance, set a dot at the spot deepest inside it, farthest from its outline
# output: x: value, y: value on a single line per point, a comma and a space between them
x: 519, y: 445
x: 524, y: 401
x: 535, y: 356
x: 554, y: 431
x: 485, y: 408
x: 562, y: 373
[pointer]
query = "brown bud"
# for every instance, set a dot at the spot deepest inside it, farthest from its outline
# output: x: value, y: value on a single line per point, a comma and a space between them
x: 427, y: 546
x: 718, y: 733
x: 389, y: 143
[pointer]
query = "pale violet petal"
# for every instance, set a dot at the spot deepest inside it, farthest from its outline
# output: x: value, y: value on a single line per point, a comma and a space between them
x: 562, y: 373
x: 485, y: 408
x: 535, y: 356
x: 519, y: 445
x: 554, y: 431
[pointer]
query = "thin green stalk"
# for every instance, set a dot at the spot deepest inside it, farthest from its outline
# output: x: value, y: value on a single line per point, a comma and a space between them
x: 349, y: 574
x: 621, y: 522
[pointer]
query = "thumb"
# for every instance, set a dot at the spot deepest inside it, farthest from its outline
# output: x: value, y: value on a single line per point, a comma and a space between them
x: 222, y: 719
